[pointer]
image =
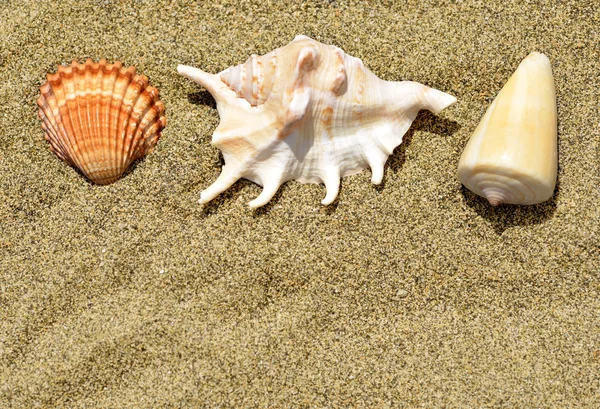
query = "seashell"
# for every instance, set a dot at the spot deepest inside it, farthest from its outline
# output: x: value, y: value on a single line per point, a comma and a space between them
x: 100, y: 117
x: 512, y: 155
x: 308, y: 112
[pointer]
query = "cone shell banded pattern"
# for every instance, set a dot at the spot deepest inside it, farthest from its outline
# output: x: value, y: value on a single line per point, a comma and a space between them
x: 308, y: 112
x: 100, y: 117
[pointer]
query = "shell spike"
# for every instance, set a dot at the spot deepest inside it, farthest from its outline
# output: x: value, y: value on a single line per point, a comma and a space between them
x: 332, y: 184
x: 376, y: 161
x: 270, y: 188
x: 435, y: 100
x: 223, y: 182
x: 306, y: 62
x: 211, y: 82
x: 376, y: 174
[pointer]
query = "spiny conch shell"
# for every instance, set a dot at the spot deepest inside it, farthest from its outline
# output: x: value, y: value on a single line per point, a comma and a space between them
x: 512, y: 155
x: 100, y: 117
x: 308, y: 112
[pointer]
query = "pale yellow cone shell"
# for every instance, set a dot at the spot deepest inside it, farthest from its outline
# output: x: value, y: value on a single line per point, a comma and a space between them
x: 308, y: 112
x: 512, y: 155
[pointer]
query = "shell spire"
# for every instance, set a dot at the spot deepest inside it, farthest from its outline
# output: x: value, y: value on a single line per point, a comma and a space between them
x: 308, y: 112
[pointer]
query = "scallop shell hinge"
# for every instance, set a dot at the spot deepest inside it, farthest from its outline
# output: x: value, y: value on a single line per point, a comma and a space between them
x: 308, y: 112
x: 100, y: 117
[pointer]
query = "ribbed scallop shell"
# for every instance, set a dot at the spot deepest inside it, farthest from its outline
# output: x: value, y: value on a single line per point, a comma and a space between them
x: 308, y: 112
x: 100, y: 117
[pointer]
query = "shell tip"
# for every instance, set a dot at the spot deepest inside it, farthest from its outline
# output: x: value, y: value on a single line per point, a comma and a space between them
x: 269, y: 189
x: 188, y: 71
x: 494, y: 196
x: 438, y: 100
x: 327, y: 201
x: 494, y: 201
x: 205, y: 197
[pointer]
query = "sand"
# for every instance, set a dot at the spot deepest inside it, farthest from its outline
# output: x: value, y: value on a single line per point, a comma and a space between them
x: 415, y: 293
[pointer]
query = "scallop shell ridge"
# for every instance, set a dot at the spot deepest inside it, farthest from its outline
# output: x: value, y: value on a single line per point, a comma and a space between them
x: 100, y: 117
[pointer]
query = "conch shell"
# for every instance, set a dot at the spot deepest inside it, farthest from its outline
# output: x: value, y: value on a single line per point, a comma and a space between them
x: 309, y: 112
x: 512, y: 155
x: 100, y: 117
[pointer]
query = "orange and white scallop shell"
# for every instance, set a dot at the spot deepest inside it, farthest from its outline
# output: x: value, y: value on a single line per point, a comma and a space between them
x: 100, y: 117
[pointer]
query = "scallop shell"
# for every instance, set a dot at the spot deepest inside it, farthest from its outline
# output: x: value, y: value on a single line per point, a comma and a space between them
x: 512, y: 155
x: 308, y: 112
x: 100, y: 117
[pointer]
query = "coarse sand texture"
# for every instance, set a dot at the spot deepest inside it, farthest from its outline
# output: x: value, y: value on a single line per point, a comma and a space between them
x: 412, y: 293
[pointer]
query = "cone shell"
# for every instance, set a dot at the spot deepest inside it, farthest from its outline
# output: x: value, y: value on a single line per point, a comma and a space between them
x: 512, y: 155
x: 100, y: 117
x: 308, y: 112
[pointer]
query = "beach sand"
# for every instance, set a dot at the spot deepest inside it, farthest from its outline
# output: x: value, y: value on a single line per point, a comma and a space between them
x: 415, y: 293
